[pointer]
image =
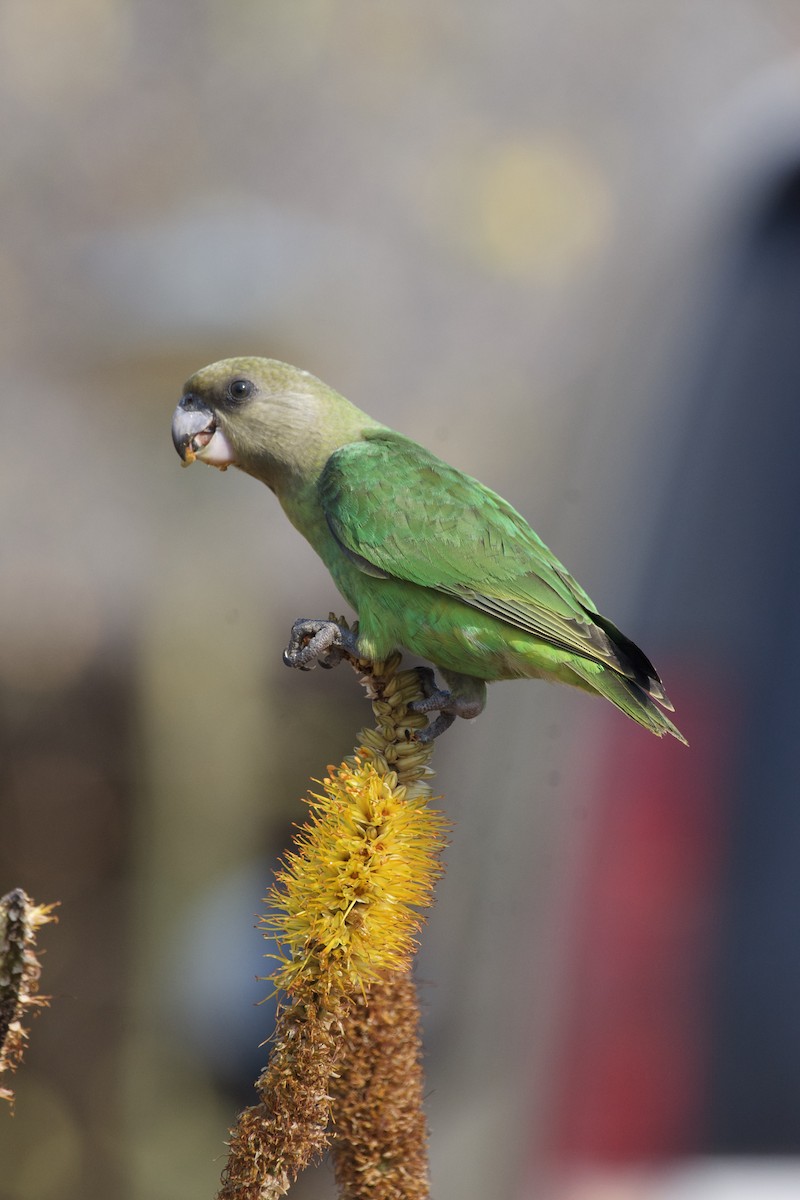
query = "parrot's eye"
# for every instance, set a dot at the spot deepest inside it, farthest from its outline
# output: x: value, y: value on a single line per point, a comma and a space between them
x: 240, y: 389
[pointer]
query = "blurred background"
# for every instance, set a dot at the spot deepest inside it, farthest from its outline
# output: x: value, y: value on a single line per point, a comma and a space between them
x: 560, y: 245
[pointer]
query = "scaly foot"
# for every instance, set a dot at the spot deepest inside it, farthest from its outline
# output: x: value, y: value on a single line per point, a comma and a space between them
x: 448, y: 704
x: 324, y: 642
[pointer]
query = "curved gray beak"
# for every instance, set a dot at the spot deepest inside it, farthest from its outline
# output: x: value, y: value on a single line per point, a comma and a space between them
x: 193, y: 425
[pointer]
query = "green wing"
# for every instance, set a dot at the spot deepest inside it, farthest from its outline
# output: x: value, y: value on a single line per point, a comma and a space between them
x: 399, y: 511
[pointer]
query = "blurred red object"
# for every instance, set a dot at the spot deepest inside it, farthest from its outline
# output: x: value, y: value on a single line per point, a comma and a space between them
x: 631, y: 1071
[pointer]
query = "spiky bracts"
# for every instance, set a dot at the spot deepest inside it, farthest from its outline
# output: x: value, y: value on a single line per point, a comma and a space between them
x: 20, y: 969
x: 346, y: 903
x: 345, y: 1063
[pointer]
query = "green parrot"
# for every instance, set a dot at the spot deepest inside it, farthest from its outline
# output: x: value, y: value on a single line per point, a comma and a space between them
x: 430, y: 559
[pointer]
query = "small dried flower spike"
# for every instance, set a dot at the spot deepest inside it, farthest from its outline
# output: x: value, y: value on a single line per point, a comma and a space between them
x: 20, y: 919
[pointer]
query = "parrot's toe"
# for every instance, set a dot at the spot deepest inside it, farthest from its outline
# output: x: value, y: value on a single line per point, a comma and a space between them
x: 435, y: 700
x: 436, y: 728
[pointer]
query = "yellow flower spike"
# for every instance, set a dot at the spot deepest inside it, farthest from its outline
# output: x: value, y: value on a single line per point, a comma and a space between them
x: 345, y: 901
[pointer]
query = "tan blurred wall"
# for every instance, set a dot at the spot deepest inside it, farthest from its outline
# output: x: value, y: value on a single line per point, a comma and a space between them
x: 478, y: 221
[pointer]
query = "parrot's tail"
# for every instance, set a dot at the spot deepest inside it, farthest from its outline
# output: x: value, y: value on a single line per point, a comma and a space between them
x: 628, y: 696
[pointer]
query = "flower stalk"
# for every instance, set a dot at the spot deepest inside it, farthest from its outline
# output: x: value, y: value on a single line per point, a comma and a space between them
x: 346, y: 908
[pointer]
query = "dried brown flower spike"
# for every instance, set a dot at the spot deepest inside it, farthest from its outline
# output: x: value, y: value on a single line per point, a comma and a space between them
x: 20, y: 919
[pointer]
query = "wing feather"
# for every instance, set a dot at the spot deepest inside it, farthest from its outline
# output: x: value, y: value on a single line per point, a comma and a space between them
x: 399, y: 511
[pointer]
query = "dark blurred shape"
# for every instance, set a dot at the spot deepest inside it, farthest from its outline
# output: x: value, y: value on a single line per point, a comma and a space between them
x: 682, y: 1035
x: 734, y: 527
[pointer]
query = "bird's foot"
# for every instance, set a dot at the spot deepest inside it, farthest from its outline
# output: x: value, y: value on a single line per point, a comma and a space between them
x: 449, y: 705
x: 319, y: 642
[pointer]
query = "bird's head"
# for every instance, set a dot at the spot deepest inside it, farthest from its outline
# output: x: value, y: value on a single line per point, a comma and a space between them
x: 260, y: 415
